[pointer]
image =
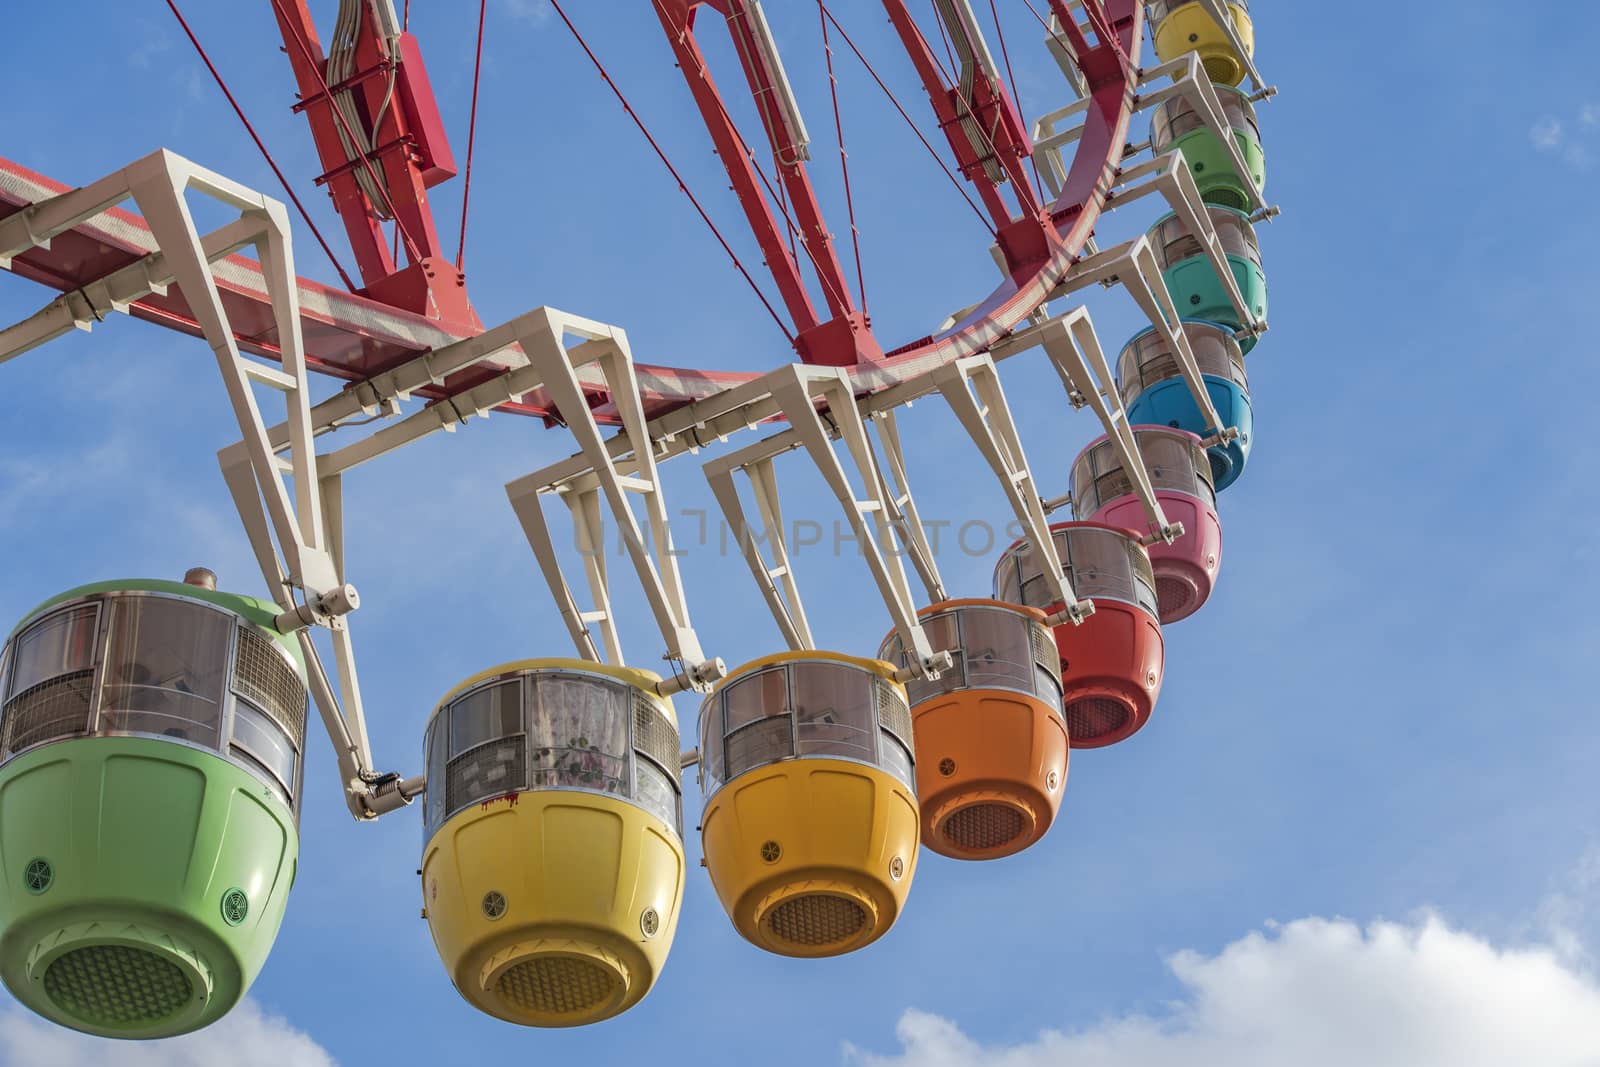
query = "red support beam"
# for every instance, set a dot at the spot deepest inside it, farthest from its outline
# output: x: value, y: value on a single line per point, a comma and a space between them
x: 845, y: 338
x: 989, y: 117
x: 397, y: 112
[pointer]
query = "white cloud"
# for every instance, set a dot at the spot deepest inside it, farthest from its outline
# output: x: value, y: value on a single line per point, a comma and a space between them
x: 535, y: 11
x: 1551, y: 135
x: 1320, y: 993
x: 246, y: 1037
x: 1566, y: 918
x: 1546, y: 133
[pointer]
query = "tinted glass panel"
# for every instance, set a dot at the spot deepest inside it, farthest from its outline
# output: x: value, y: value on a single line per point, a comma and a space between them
x: 761, y: 742
x: 60, y: 644
x: 1160, y: 9
x: 711, y: 747
x: 1238, y: 237
x: 1035, y: 586
x: 492, y: 712
x: 758, y: 697
x: 944, y: 635
x: 578, y: 730
x: 1173, y: 462
x: 1148, y: 360
x: 1176, y: 116
x: 1098, y: 561
x: 896, y: 760
x: 1217, y: 353
x: 491, y: 770
x: 835, y: 713
x: 1047, y: 687
x: 166, y: 669
x: 999, y: 652
x: 51, y: 689
x: 265, y: 741
x: 1144, y: 578
x: 438, y: 754
x: 657, y: 795
x: 1008, y: 582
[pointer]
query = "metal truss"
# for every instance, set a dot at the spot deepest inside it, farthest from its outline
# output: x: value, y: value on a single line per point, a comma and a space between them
x: 1052, y: 133
x: 1133, y: 266
x: 563, y: 375
x: 796, y: 392
x: 288, y: 531
x: 593, y: 473
x: 971, y: 387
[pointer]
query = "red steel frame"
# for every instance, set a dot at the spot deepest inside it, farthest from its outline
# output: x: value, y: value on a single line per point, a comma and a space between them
x: 845, y: 339
x: 407, y: 312
x: 1024, y: 239
x: 410, y: 153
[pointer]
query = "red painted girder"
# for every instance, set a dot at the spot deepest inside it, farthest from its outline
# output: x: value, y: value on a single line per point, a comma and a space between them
x: 1011, y: 144
x: 351, y: 337
x: 346, y: 335
x: 430, y: 283
x: 845, y: 337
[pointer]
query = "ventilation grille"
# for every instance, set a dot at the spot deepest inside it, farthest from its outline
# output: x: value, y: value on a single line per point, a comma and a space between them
x: 1095, y: 717
x: 893, y: 714
x: 816, y: 920
x: 1221, y: 464
x: 556, y: 985
x: 53, y: 709
x: 261, y: 676
x: 483, y: 773
x: 984, y: 827
x: 1224, y: 69
x: 114, y: 986
x: 1227, y: 196
x: 1176, y: 598
x: 653, y: 734
x: 1045, y: 650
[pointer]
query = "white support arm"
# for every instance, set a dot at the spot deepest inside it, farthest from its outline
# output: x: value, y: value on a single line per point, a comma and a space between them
x: 613, y: 478
x: 1218, y: 10
x: 796, y: 391
x: 1074, y: 350
x: 987, y: 420
x: 787, y: 609
x: 1061, y: 51
x: 287, y: 529
x: 1133, y: 265
x: 1189, y: 80
x: 1169, y: 176
x: 903, y: 512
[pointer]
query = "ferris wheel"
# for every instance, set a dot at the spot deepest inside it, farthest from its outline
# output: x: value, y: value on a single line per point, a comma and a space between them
x: 153, y: 732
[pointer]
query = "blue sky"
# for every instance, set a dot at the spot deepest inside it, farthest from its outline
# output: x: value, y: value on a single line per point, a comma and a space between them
x: 1383, y: 724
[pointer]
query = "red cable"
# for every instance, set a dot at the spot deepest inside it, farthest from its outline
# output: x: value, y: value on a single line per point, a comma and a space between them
x: 623, y: 100
x: 844, y: 164
x: 251, y: 130
x: 966, y: 105
x: 1016, y: 98
x: 903, y: 114
x: 1064, y: 45
x: 472, y: 134
x: 327, y: 93
x: 774, y: 194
